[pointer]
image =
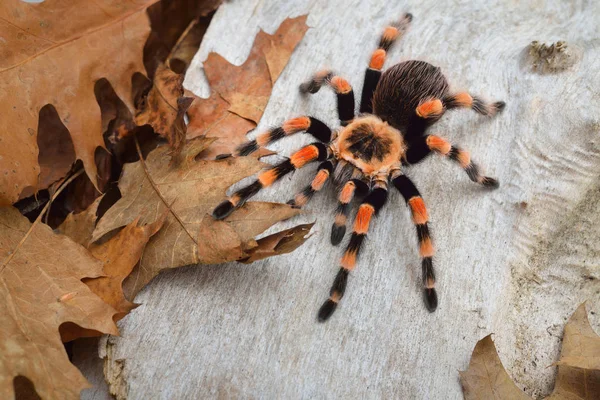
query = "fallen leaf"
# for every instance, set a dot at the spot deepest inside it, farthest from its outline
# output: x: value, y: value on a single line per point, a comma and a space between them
x: 191, y: 188
x: 164, y: 107
x: 241, y: 93
x: 279, y: 243
x: 36, y: 68
x: 186, y: 47
x: 41, y: 288
x: 578, y: 375
x: 79, y: 227
x: 119, y: 254
x: 581, y: 345
x: 486, y: 377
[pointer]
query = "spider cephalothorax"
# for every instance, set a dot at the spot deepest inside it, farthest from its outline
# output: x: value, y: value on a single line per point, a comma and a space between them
x: 370, y: 150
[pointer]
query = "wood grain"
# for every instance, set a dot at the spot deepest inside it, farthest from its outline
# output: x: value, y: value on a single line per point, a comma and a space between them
x: 515, y: 262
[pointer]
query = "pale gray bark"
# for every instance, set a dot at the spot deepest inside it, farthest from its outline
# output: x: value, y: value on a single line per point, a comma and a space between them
x: 516, y: 261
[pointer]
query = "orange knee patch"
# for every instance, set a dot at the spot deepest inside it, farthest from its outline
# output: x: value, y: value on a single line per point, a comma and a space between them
x: 268, y: 177
x: 430, y: 109
x: 390, y: 34
x: 348, y: 260
x: 263, y: 139
x: 340, y: 219
x: 463, y: 99
x: 426, y: 248
x: 438, y: 144
x: 235, y: 200
x: 320, y: 179
x: 340, y: 85
x: 418, y: 209
x: 377, y: 59
x: 300, y: 199
x: 363, y: 218
x: 304, y: 156
x: 296, y: 125
x: 347, y: 193
x: 464, y: 158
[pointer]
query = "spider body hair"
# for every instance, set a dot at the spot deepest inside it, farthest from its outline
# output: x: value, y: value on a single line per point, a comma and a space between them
x: 370, y: 151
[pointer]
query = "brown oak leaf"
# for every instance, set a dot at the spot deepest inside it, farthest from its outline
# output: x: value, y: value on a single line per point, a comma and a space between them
x: 190, y: 189
x: 41, y: 289
x: 241, y: 93
x: 53, y: 53
x: 578, y: 375
x: 164, y: 108
x: 279, y: 243
x: 119, y: 254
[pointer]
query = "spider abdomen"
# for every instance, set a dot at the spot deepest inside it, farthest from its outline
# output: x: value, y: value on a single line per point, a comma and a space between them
x: 401, y: 89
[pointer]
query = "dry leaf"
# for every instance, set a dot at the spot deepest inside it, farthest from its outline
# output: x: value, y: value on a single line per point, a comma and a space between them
x: 41, y: 42
x: 41, y: 289
x: 119, y: 254
x: 486, y: 377
x: 79, y: 227
x: 581, y: 345
x: 240, y: 93
x: 192, y: 189
x: 579, y: 349
x: 164, y: 107
x: 186, y: 47
x: 578, y: 375
x: 279, y: 243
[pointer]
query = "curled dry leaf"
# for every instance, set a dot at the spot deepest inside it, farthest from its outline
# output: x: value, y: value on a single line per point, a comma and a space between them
x: 119, y: 254
x: 279, y: 243
x: 486, y: 377
x: 191, y: 189
x: 164, y: 107
x: 36, y: 68
x: 79, y: 227
x: 241, y: 93
x: 578, y: 375
x: 41, y: 288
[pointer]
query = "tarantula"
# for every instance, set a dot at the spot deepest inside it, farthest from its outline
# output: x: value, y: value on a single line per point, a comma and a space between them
x: 369, y: 150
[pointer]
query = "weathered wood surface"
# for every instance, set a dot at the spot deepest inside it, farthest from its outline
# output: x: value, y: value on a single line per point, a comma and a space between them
x: 516, y: 261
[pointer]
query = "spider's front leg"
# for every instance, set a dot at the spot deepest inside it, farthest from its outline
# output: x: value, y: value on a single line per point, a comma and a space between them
x: 368, y: 208
x: 321, y: 177
x: 308, y: 154
x: 342, y: 88
x: 415, y: 202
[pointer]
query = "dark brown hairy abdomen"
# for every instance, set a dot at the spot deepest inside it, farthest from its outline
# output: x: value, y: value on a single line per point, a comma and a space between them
x: 401, y: 89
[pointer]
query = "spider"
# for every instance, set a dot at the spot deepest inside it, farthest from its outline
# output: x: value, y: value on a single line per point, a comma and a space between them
x: 369, y: 151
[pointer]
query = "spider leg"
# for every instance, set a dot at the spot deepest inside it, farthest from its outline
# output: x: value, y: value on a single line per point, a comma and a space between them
x: 307, y: 154
x: 350, y: 188
x: 317, y: 184
x: 391, y: 33
x: 462, y: 157
x: 301, y: 124
x: 419, y: 216
x: 465, y: 100
x: 369, y: 207
x: 343, y: 89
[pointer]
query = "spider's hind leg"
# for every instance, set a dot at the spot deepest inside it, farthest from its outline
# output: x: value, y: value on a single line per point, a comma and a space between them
x: 368, y: 208
x: 389, y: 36
x: 465, y: 100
